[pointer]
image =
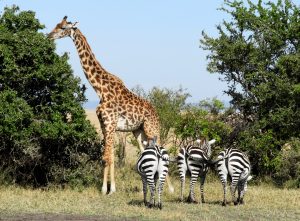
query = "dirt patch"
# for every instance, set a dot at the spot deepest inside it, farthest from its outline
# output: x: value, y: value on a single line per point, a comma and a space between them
x: 61, y: 217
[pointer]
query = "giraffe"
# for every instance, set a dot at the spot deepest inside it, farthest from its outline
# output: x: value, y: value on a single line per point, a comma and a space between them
x: 119, y: 109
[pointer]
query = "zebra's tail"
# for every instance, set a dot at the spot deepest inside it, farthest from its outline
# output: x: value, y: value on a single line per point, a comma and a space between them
x: 173, y: 160
x: 199, y: 159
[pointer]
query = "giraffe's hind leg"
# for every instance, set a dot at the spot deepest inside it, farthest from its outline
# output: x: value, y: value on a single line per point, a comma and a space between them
x: 140, y: 136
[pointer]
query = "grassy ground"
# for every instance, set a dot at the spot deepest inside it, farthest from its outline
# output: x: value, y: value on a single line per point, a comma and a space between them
x: 263, y: 202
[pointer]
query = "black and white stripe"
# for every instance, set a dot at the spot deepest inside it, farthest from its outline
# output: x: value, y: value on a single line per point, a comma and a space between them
x: 194, y: 159
x: 236, y: 164
x: 153, y: 165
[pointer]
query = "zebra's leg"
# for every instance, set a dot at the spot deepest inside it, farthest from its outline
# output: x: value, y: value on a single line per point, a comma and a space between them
x: 191, y: 198
x: 182, y: 179
x: 202, y: 180
x: 224, y: 192
x: 152, y: 193
x: 182, y: 168
x: 145, y: 189
x: 233, y: 188
x: 223, y: 178
x: 160, y: 189
x: 242, y: 190
x: 239, y: 188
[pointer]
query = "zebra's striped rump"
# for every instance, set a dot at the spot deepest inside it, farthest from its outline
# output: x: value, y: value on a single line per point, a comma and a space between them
x: 153, y: 165
x: 234, y: 163
x: 193, y: 159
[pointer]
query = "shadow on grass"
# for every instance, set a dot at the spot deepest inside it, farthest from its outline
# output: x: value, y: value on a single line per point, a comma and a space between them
x: 186, y: 201
x: 136, y: 203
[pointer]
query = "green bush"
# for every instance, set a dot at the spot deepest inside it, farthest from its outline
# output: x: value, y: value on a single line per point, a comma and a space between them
x: 288, y: 170
x: 44, y: 135
x: 196, y: 122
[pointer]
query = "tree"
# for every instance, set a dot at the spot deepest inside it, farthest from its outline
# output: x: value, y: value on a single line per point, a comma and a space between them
x: 44, y: 136
x: 169, y: 104
x: 257, y: 54
x: 203, y: 121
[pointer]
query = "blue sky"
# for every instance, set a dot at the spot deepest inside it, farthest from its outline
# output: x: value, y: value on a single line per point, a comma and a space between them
x: 146, y: 43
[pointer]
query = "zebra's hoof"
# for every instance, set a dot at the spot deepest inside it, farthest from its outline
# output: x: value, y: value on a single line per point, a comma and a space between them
x: 150, y: 205
x: 191, y: 200
x: 224, y: 204
x: 159, y: 206
x: 236, y: 203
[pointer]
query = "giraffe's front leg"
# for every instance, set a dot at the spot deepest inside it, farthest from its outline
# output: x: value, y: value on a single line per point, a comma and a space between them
x: 108, y: 158
x: 108, y: 130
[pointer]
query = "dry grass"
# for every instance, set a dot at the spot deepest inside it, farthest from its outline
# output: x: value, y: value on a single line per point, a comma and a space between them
x: 262, y: 203
x: 92, y: 117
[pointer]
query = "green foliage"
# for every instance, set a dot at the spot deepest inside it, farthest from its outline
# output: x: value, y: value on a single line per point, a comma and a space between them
x: 169, y: 105
x: 185, y: 122
x: 257, y: 53
x: 44, y: 136
x: 288, y: 169
x: 214, y: 105
x: 262, y: 148
x: 200, y: 121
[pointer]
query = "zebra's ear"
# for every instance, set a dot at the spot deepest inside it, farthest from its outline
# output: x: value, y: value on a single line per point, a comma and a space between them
x: 211, y: 141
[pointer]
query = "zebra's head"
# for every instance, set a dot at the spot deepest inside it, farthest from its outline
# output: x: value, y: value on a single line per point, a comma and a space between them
x: 206, y: 146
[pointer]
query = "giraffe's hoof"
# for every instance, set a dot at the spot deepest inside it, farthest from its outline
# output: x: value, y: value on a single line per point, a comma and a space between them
x: 112, y: 190
x: 104, y: 190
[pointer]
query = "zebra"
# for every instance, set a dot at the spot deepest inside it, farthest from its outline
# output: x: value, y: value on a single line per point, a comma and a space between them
x: 153, y: 164
x: 236, y: 164
x: 194, y: 159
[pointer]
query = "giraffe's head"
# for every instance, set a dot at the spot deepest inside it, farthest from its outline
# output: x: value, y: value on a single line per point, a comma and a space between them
x: 63, y: 29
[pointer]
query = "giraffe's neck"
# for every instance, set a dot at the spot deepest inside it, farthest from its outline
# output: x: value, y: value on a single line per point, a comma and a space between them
x: 94, y: 72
